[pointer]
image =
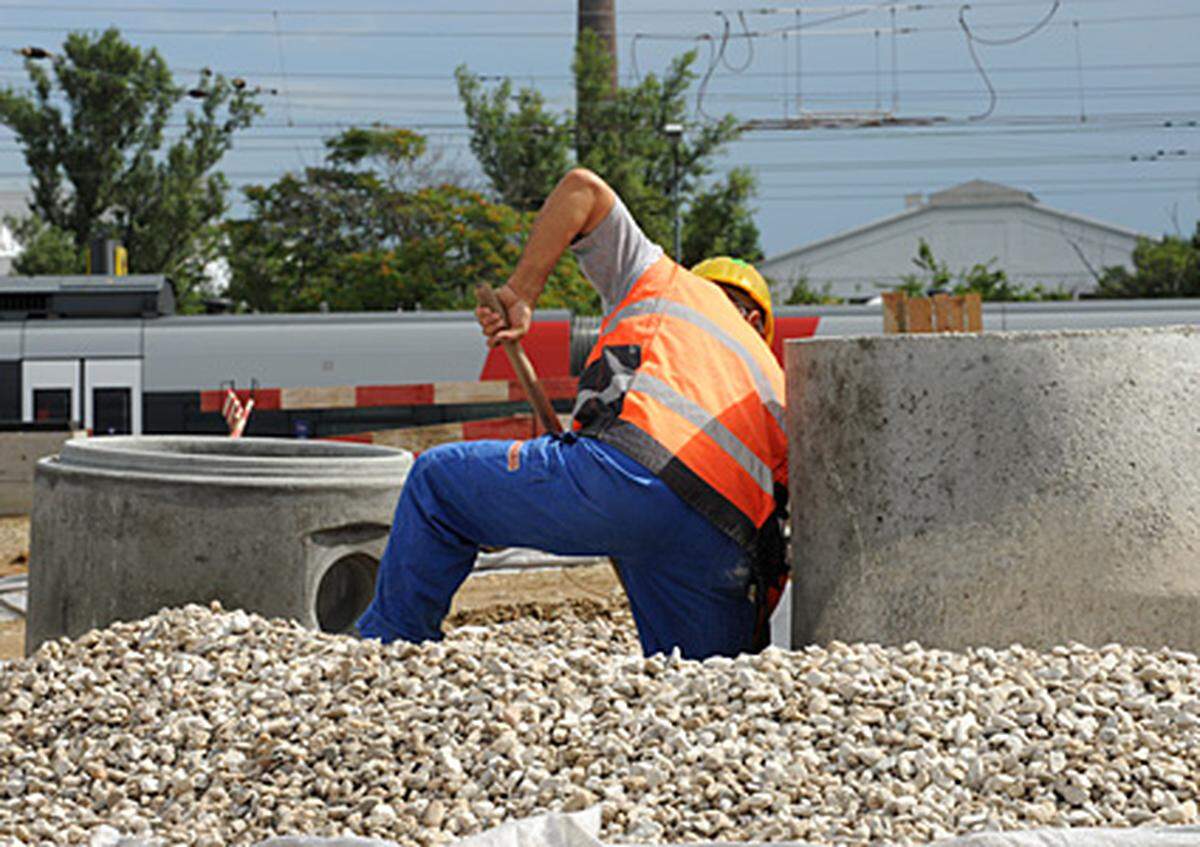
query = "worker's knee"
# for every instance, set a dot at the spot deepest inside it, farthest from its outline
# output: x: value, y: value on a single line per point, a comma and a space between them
x: 423, y: 472
x: 445, y: 464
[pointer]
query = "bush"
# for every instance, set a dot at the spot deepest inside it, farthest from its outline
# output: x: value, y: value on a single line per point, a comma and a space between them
x: 989, y: 282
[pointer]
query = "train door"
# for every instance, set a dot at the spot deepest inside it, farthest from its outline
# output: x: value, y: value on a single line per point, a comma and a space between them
x: 50, y: 391
x: 113, y: 396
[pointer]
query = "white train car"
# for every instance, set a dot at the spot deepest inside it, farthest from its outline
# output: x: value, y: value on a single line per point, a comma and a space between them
x: 109, y: 355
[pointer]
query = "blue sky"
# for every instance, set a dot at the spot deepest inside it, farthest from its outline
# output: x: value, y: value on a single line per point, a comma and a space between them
x: 1083, y: 106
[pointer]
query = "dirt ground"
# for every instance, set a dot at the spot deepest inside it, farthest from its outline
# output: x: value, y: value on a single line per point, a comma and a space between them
x: 14, y: 559
x: 484, y: 598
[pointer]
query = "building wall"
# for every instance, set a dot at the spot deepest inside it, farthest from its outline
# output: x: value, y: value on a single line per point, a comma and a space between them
x: 1031, y: 244
x: 9, y: 250
x: 13, y: 203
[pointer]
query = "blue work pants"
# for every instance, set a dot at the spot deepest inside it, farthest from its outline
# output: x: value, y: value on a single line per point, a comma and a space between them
x: 687, y: 582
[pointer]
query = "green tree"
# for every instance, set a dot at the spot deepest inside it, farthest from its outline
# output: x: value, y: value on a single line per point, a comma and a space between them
x: 522, y: 147
x: 525, y: 148
x: 1166, y: 268
x: 46, y: 249
x: 720, y: 223
x: 350, y: 235
x: 92, y: 133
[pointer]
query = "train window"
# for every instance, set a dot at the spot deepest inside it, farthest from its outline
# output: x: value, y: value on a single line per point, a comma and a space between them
x: 111, y: 411
x: 52, y: 405
x: 10, y: 391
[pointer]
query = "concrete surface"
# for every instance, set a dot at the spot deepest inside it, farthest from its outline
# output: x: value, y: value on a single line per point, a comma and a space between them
x: 124, y: 526
x: 996, y: 488
x: 19, y: 453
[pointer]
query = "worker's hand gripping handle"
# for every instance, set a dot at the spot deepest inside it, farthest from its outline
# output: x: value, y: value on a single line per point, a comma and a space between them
x: 547, y: 417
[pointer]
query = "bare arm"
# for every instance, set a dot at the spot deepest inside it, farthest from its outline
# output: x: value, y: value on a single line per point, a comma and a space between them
x: 575, y: 207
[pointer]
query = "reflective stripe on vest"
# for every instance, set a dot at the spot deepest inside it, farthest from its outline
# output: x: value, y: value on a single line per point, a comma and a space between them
x: 681, y: 383
x: 678, y: 310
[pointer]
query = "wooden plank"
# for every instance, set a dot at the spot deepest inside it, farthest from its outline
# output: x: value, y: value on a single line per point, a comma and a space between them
x: 419, y: 438
x: 957, y: 314
x: 893, y: 312
x: 264, y: 398
x: 973, y: 304
x: 918, y: 315
x: 943, y: 319
x: 420, y: 394
x: 556, y: 388
x: 486, y: 391
x: 330, y: 397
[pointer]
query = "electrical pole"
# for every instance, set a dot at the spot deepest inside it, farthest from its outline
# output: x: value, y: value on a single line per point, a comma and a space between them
x: 674, y: 132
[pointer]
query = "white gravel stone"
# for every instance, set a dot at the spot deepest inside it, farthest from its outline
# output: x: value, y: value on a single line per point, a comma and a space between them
x: 202, y: 727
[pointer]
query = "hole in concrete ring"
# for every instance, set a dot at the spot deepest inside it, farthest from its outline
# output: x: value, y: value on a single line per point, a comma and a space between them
x: 345, y: 591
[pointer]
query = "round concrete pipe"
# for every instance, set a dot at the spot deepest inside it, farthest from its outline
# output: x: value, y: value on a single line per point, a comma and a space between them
x: 124, y: 526
x: 997, y: 488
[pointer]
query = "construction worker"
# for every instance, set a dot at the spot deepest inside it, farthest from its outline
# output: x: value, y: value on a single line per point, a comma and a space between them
x: 674, y: 466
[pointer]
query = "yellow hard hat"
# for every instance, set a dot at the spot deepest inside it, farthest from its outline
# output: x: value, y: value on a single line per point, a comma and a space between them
x: 742, y: 275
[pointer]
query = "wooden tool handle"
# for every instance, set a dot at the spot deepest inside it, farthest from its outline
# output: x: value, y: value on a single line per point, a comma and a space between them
x: 486, y: 297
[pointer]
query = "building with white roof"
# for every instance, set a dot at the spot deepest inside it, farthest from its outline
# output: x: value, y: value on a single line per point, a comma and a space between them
x: 972, y: 223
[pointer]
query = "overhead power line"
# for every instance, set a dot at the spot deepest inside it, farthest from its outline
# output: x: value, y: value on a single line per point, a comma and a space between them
x: 485, y: 12
x: 248, y: 145
x: 914, y: 29
x: 1016, y: 125
x: 855, y: 165
x: 809, y: 74
x: 1070, y: 159
x: 299, y: 96
x: 478, y: 11
x: 1038, y: 185
x: 973, y: 38
x: 247, y: 140
x: 375, y: 33
x: 826, y: 198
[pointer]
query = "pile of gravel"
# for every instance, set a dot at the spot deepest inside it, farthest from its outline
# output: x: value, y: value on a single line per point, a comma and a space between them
x: 203, y: 727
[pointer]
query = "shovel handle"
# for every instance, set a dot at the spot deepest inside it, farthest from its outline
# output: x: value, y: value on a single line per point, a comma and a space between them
x: 486, y: 297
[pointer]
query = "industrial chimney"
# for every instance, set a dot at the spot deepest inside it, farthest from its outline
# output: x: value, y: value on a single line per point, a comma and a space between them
x: 600, y: 16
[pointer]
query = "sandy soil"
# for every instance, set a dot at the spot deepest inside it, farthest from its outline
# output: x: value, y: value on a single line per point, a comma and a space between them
x: 485, y: 598
x: 14, y: 545
x: 14, y: 559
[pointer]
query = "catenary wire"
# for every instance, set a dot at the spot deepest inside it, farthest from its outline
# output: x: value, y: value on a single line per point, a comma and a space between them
x: 559, y: 34
x: 973, y: 39
x: 169, y: 9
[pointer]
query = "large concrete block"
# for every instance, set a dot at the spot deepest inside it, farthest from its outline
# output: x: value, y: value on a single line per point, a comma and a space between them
x: 19, y: 453
x: 124, y: 526
x: 996, y: 488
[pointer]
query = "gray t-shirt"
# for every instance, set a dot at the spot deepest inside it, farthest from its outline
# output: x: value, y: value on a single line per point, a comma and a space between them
x: 615, y: 254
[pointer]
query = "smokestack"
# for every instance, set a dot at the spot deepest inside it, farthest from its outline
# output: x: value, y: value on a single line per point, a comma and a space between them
x: 600, y: 16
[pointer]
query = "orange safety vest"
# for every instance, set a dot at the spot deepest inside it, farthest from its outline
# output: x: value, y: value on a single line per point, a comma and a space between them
x: 680, y: 382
